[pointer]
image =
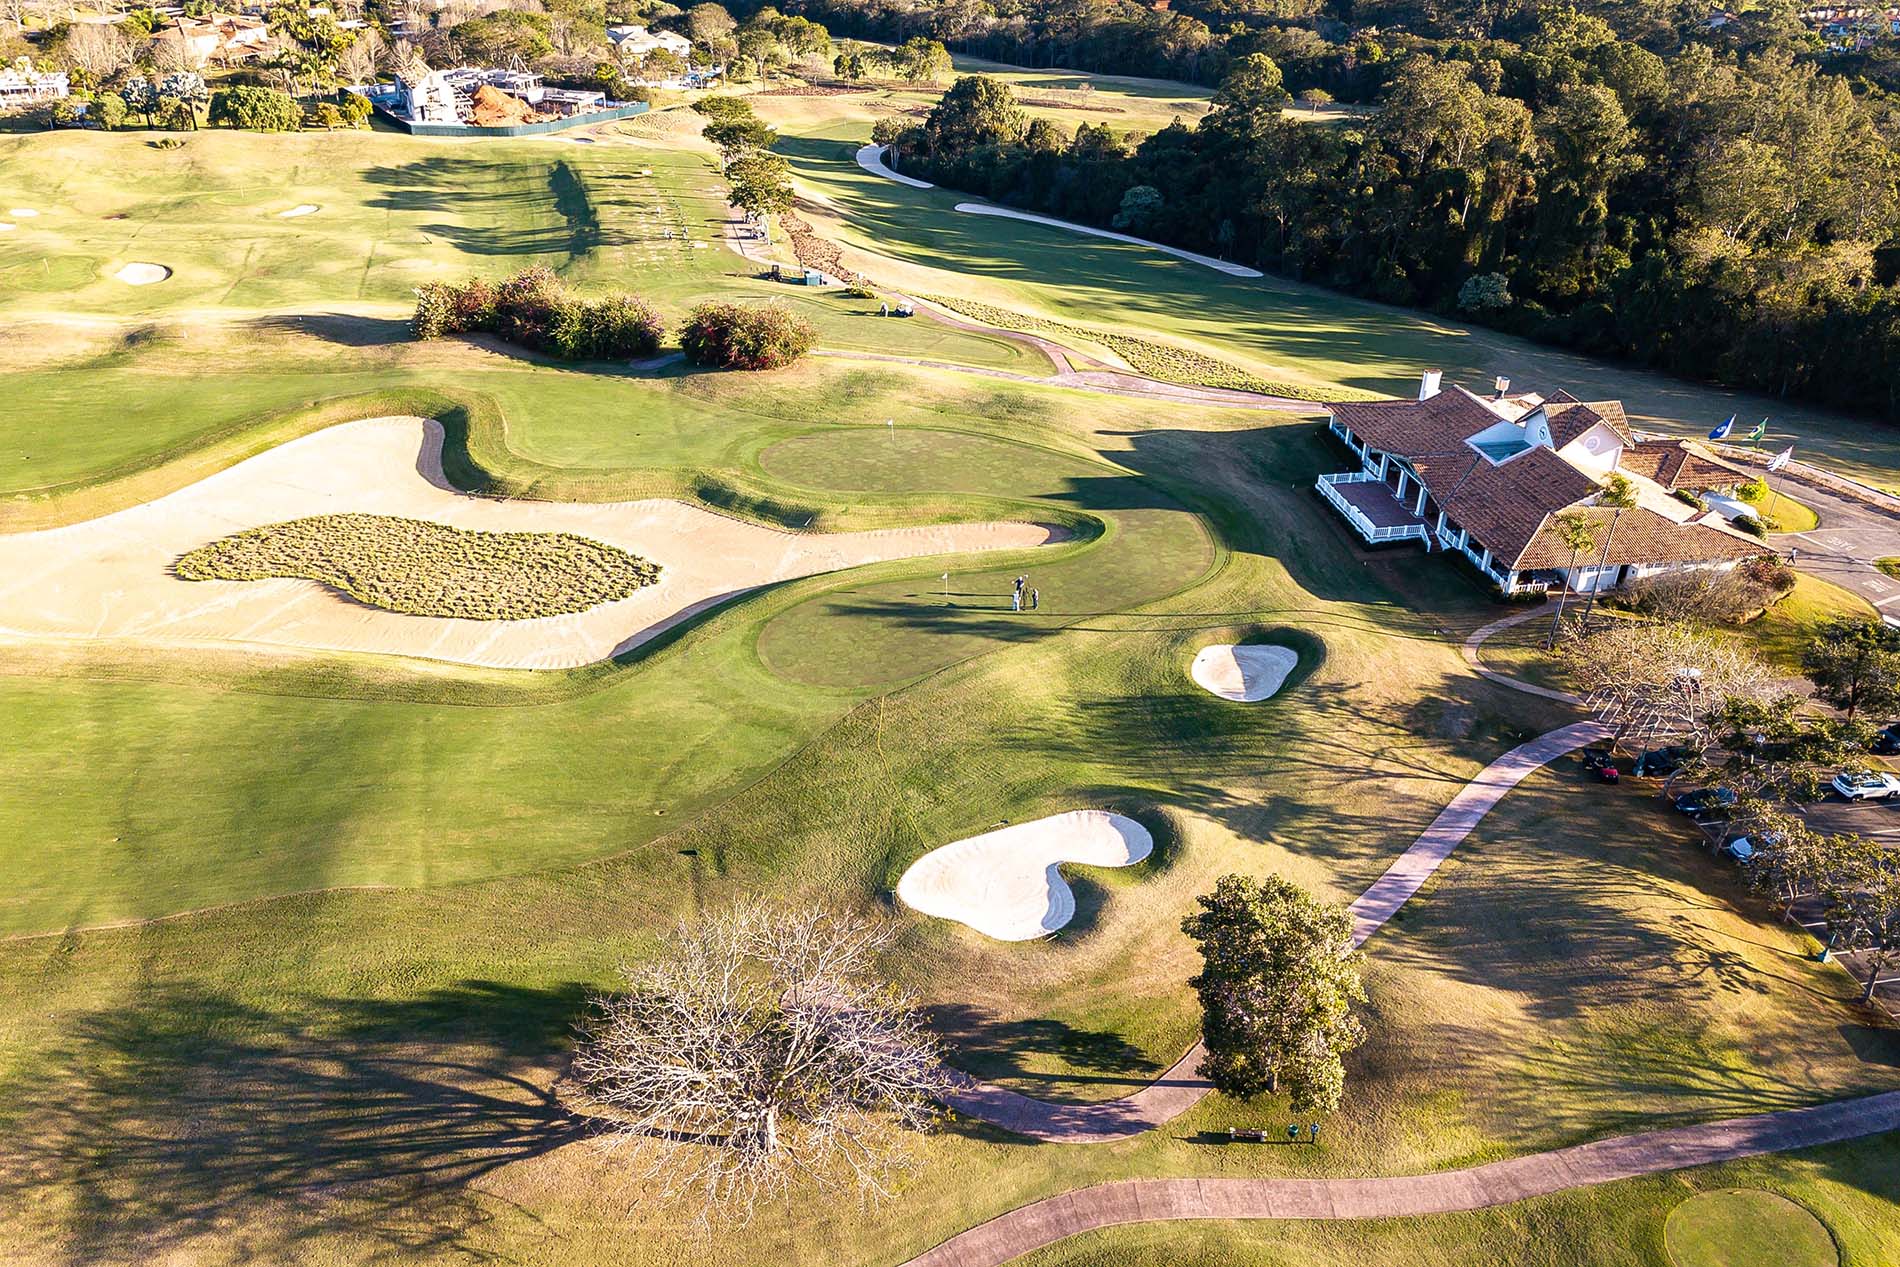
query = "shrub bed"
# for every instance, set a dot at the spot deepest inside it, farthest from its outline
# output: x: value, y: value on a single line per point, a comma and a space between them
x: 1160, y: 361
x: 535, y: 310
x: 429, y: 569
x: 739, y: 337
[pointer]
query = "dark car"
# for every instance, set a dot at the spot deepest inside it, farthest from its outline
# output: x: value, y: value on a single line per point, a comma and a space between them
x: 1659, y: 763
x: 1887, y: 742
x: 1707, y: 801
x: 1600, y: 763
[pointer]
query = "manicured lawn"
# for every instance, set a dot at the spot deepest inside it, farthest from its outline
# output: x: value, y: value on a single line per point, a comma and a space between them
x: 422, y: 869
x: 1280, y: 330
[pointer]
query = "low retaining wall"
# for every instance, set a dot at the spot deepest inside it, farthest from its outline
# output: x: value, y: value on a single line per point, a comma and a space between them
x: 519, y: 129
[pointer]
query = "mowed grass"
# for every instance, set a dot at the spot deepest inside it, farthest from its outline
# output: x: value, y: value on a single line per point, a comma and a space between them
x: 427, y: 868
x: 1277, y: 329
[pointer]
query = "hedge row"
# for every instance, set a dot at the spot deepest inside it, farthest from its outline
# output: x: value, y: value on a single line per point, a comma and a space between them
x: 535, y: 310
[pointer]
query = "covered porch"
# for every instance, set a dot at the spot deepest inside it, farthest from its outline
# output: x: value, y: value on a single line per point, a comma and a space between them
x: 1371, y: 506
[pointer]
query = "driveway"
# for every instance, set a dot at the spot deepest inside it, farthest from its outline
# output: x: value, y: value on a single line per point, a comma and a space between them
x: 1843, y: 548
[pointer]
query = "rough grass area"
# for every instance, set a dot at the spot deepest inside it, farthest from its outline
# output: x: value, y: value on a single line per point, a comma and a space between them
x: 1156, y: 360
x: 429, y: 569
x: 1890, y: 566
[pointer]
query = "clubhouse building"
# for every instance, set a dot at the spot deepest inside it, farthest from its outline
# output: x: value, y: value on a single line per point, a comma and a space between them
x: 1487, y: 476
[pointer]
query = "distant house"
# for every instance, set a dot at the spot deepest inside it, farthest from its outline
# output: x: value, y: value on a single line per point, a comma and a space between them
x: 438, y: 97
x: 637, y: 41
x: 30, y: 87
x: 426, y: 96
x: 222, y: 37
x: 1486, y: 478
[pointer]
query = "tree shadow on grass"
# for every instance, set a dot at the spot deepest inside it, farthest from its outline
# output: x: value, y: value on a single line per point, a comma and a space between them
x: 991, y: 1047
x: 345, y: 329
x: 194, y: 1115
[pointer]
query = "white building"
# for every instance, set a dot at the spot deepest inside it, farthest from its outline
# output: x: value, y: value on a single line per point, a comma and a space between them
x: 633, y: 42
x: 29, y: 87
x: 1486, y: 477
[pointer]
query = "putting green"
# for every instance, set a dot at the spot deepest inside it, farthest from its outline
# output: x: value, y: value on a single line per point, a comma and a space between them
x: 1741, y: 1227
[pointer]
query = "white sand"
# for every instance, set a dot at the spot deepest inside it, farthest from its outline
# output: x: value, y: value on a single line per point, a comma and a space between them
x: 871, y: 159
x: 301, y: 209
x: 111, y: 578
x: 1008, y: 883
x: 142, y: 274
x: 1206, y: 261
x: 1244, y: 674
x: 22, y: 213
x: 5, y: 227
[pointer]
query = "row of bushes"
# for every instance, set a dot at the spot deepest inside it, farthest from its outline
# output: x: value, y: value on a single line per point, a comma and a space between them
x: 174, y: 104
x: 535, y: 310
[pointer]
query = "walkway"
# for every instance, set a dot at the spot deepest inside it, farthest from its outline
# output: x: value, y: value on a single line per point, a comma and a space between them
x: 1041, y: 1223
x: 1181, y: 1088
x: 1476, y: 640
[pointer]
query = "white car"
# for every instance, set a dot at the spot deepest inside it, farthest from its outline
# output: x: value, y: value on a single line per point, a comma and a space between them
x: 1873, y: 785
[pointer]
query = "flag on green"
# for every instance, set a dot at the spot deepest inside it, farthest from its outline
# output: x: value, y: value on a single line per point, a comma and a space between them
x: 1761, y: 429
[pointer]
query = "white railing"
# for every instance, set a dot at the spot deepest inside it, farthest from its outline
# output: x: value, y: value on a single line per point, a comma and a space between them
x: 1365, y: 527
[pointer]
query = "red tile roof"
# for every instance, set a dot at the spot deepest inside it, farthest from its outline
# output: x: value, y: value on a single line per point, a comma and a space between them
x: 1679, y: 464
x: 1641, y: 536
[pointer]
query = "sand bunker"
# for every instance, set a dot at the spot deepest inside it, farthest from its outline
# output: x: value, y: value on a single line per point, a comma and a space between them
x: 5, y: 227
x: 1008, y: 883
x: 112, y: 577
x: 1205, y: 261
x: 1244, y: 674
x: 871, y: 159
x: 301, y: 209
x: 22, y: 213
x: 142, y: 274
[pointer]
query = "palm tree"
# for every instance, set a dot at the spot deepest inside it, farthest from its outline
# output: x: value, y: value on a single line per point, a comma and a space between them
x: 1574, y: 530
x: 1619, y: 496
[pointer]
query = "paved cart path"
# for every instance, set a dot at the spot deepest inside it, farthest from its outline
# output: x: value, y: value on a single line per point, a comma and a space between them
x: 1180, y: 1088
x: 1041, y: 1223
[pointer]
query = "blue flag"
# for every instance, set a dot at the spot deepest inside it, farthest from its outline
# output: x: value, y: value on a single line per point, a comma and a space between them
x: 1721, y: 432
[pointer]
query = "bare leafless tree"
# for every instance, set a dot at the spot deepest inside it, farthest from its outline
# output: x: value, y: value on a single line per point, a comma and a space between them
x: 1656, y: 683
x: 365, y: 55
x: 760, y: 1049
x: 98, y: 49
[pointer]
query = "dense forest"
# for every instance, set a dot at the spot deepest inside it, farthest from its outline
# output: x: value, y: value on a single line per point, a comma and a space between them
x: 1721, y: 206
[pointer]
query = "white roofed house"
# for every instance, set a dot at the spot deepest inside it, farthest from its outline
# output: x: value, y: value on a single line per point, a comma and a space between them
x: 21, y: 86
x: 634, y: 42
x: 1486, y: 477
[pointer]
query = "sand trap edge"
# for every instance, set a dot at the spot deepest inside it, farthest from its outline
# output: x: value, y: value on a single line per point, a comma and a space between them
x: 1245, y: 673
x: 1007, y: 884
x: 142, y: 274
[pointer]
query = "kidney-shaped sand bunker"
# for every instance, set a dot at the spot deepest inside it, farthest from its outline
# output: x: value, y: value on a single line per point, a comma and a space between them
x: 1008, y: 883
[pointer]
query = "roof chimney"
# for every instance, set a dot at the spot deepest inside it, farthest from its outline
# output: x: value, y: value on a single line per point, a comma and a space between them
x: 1503, y: 386
x: 1428, y: 384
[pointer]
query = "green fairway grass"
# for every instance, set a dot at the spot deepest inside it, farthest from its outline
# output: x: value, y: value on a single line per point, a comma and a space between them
x: 1739, y: 1225
x: 1280, y: 330
x: 293, y: 947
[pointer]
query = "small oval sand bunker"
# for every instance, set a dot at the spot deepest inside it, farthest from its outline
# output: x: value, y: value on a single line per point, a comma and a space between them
x: 1007, y: 884
x: 1244, y: 674
x: 429, y: 569
x: 301, y: 209
x: 142, y: 274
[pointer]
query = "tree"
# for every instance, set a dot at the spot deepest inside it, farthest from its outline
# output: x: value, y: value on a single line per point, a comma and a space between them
x: 1485, y: 293
x: 1791, y: 859
x: 184, y: 92
x: 141, y: 98
x: 1139, y: 207
x: 1278, y: 980
x: 709, y: 25
x: 357, y: 110
x: 761, y: 184
x: 95, y: 49
x: 1574, y: 530
x: 1315, y: 99
x: 1619, y: 496
x: 1654, y: 684
x: 255, y: 109
x: 1855, y: 665
x: 761, y: 1048
x: 924, y: 60
x: 976, y: 111
x: 1863, y: 910
x: 739, y: 136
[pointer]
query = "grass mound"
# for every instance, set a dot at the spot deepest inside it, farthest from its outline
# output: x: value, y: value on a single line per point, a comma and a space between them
x: 429, y: 569
x: 1161, y: 361
x: 1746, y: 1225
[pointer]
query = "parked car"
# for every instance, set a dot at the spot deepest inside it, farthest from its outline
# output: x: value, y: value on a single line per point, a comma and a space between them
x: 1600, y: 763
x: 1707, y: 801
x: 1745, y: 848
x: 1867, y: 785
x: 1887, y: 742
x: 1659, y: 763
